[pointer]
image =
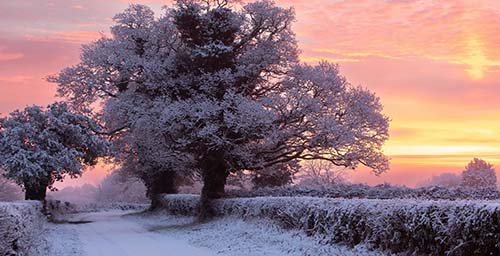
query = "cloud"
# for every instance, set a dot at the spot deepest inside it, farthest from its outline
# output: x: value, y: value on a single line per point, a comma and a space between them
x: 15, y: 79
x: 463, y: 33
x: 75, y: 37
x: 8, y: 56
x: 4, y: 56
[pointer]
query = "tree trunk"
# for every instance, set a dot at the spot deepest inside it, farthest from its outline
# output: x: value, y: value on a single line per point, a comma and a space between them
x: 161, y: 183
x: 36, y: 191
x: 214, y: 174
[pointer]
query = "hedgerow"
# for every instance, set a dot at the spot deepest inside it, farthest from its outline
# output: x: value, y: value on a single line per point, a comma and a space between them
x: 399, y: 225
x: 382, y: 191
x: 20, y: 223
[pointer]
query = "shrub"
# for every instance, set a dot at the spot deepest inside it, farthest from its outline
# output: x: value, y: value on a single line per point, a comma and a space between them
x: 401, y: 226
x: 382, y: 191
x: 20, y: 223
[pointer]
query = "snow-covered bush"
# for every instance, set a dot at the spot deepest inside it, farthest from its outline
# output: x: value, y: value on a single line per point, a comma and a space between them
x: 402, y: 226
x: 20, y: 225
x: 107, y: 206
x: 56, y: 210
x: 182, y: 204
x: 479, y: 174
x: 382, y: 191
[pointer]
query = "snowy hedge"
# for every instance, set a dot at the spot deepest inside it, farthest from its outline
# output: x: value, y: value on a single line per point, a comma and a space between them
x: 407, y: 226
x: 57, y: 208
x: 383, y: 191
x: 105, y: 206
x: 20, y: 223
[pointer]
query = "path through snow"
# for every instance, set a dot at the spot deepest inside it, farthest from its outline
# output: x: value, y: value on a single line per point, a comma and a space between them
x: 108, y: 233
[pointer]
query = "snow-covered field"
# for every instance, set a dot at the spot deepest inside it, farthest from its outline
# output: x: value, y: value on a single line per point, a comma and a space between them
x: 276, y: 226
x: 127, y: 233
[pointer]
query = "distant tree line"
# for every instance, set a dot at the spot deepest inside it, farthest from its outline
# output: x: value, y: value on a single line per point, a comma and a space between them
x: 477, y: 174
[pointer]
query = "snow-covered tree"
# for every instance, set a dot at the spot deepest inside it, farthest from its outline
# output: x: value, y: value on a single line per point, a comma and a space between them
x: 240, y: 100
x: 126, y: 73
x: 79, y: 195
x: 40, y: 146
x: 142, y: 155
x: 321, y: 174
x: 479, y: 174
x: 117, y: 187
x: 275, y: 176
x: 222, y: 91
x: 446, y: 179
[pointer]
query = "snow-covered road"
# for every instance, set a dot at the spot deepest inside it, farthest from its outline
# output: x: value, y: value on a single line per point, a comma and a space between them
x: 125, y: 233
x: 109, y: 233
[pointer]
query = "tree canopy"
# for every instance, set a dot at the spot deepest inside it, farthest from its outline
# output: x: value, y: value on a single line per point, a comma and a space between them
x: 218, y: 88
x: 40, y: 146
x: 479, y: 174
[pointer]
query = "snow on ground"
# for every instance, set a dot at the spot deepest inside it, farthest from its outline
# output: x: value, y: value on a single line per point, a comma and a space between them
x: 235, y: 237
x: 60, y: 239
x: 107, y: 233
x: 126, y: 233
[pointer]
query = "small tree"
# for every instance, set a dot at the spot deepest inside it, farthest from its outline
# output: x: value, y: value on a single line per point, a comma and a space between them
x: 321, y: 173
x: 275, y: 176
x: 479, y: 174
x: 40, y: 146
x: 117, y: 187
x: 446, y: 179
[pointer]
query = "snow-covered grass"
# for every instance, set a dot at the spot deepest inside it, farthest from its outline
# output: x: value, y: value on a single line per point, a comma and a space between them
x: 21, y: 224
x: 232, y: 236
x: 398, y: 225
x: 59, y: 239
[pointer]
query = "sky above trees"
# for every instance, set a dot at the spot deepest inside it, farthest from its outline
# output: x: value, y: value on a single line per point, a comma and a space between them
x: 435, y: 65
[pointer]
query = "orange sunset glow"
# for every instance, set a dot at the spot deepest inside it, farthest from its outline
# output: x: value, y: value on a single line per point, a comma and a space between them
x: 434, y: 64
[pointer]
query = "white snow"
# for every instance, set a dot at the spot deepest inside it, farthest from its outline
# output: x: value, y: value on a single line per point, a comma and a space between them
x: 127, y: 233
x: 60, y: 240
x: 231, y: 236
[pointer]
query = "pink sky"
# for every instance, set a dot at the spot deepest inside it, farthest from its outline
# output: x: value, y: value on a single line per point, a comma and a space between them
x: 435, y: 65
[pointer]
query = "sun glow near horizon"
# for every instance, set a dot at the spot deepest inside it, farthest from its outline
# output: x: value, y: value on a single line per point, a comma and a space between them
x: 476, y: 60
